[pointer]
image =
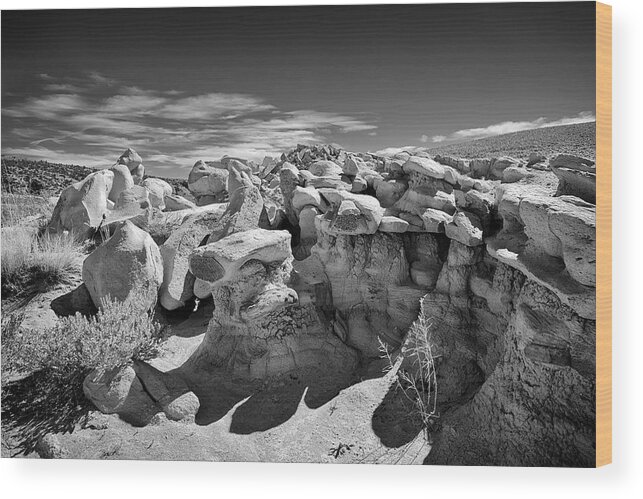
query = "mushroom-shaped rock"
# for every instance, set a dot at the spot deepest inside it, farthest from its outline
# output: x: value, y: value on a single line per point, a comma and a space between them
x: 158, y: 189
x: 465, y: 228
x: 122, y: 181
x: 360, y: 214
x: 129, y: 260
x: 82, y: 206
x: 221, y: 260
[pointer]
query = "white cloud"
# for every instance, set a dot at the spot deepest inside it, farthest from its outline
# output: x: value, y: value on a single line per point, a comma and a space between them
x: 90, y: 119
x: 424, y: 138
x: 392, y: 151
x: 514, y: 126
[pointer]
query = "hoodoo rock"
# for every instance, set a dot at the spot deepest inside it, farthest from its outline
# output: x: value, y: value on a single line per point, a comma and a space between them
x: 242, y: 213
x: 258, y: 328
x: 134, y: 163
x: 129, y: 260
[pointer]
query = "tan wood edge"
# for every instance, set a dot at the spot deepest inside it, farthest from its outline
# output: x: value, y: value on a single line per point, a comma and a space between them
x: 603, y: 234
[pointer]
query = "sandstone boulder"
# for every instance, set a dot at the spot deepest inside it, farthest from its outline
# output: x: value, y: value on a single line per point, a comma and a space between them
x: 174, y: 202
x: 465, y: 228
x: 82, y: 206
x: 303, y: 196
x: 133, y: 198
x: 129, y: 260
x: 158, y: 189
x: 424, y: 166
x: 393, y: 224
x: 132, y: 160
x: 325, y: 169
x: 360, y: 214
x: 122, y: 182
x: 178, y: 282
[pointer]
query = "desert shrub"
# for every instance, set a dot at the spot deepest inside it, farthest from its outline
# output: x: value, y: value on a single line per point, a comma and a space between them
x: 43, y: 369
x: 414, y: 368
x: 30, y: 259
x: 117, y: 334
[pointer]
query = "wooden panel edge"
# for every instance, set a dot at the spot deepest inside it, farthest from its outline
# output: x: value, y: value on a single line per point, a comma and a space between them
x: 603, y: 234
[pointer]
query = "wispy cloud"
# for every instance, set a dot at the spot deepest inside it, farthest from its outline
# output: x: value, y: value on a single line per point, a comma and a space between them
x: 392, y: 151
x: 513, y: 126
x: 89, y: 119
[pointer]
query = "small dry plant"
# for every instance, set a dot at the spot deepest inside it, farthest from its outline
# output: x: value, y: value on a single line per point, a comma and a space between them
x: 29, y: 259
x: 414, y: 369
x: 43, y: 369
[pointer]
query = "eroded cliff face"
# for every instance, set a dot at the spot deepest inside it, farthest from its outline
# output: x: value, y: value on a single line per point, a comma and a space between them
x: 509, y: 290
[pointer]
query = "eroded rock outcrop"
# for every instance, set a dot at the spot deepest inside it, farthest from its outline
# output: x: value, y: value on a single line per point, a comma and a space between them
x: 258, y: 329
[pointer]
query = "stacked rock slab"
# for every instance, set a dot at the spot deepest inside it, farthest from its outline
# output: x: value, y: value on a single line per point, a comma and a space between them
x: 576, y: 176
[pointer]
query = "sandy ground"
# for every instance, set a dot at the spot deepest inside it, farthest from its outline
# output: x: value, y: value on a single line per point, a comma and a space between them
x: 288, y: 419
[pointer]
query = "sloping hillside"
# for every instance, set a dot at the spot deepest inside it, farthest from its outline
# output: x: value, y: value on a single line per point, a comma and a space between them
x: 23, y: 176
x: 579, y: 139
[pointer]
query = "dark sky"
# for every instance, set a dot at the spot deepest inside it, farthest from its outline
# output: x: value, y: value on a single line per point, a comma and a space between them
x: 181, y: 84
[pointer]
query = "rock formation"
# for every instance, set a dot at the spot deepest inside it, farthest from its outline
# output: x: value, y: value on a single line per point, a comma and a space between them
x: 258, y: 329
x: 322, y: 256
x: 128, y: 260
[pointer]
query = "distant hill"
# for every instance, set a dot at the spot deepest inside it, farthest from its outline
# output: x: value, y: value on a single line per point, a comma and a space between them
x: 579, y: 139
x: 23, y: 176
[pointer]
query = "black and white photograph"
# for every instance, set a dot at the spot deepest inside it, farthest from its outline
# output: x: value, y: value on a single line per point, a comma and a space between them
x: 335, y: 234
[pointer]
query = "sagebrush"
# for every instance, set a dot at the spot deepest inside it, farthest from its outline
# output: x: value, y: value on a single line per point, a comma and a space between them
x: 43, y: 369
